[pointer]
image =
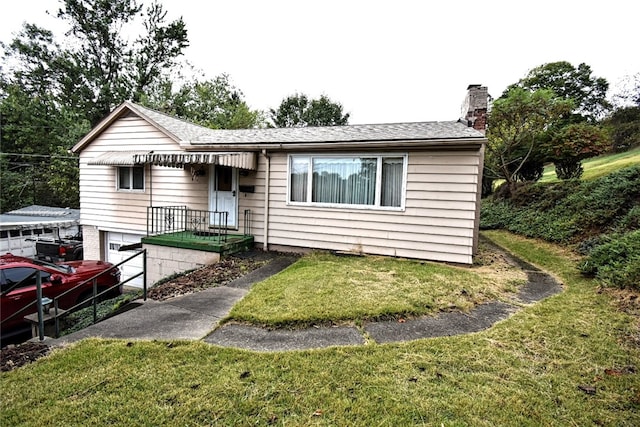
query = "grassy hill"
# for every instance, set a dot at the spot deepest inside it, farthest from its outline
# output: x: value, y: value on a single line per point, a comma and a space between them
x: 599, y: 166
x: 598, y: 216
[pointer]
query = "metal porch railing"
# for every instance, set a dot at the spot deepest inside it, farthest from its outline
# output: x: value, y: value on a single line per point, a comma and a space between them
x: 188, y: 223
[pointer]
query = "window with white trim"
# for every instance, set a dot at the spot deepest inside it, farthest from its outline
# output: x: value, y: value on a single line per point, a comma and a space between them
x: 131, y: 178
x: 348, y: 181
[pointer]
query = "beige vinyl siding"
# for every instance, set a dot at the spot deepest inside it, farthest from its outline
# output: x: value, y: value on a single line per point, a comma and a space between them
x: 437, y: 222
x: 103, y: 206
x: 253, y: 201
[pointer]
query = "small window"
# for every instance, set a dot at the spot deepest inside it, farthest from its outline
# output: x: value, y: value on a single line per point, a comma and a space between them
x: 131, y: 178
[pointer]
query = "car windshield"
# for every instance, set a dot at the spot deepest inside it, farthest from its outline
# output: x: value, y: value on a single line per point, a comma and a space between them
x: 66, y: 269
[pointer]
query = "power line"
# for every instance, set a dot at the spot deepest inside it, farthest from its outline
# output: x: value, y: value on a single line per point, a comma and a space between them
x: 46, y: 156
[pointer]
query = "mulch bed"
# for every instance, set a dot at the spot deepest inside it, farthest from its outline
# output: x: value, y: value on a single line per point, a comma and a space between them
x: 209, y: 276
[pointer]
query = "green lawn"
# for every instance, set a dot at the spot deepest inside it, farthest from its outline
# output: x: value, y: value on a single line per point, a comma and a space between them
x: 535, y: 368
x: 322, y: 289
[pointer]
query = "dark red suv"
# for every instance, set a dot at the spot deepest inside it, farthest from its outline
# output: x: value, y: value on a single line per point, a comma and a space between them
x: 16, y: 292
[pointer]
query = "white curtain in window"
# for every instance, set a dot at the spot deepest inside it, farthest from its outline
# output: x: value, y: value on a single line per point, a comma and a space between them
x: 299, y: 176
x: 344, y: 180
x: 391, y: 181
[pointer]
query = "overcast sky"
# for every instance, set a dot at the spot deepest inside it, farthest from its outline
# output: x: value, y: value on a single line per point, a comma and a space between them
x: 388, y: 61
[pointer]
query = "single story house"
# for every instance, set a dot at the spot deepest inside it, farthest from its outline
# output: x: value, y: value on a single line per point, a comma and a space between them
x: 20, y: 228
x: 404, y: 190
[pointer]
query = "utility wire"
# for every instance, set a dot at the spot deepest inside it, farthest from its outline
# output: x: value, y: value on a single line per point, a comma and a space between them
x: 47, y: 156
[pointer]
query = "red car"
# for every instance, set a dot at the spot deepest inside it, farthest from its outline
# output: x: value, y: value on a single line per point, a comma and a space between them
x: 56, y: 279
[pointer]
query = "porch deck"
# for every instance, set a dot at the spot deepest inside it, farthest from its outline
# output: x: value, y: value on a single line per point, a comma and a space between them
x: 224, y: 245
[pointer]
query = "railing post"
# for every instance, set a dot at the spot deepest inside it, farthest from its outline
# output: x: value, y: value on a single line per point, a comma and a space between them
x: 144, y: 275
x: 39, y: 305
x: 226, y: 224
x: 55, y: 316
x: 247, y: 221
x: 94, y: 300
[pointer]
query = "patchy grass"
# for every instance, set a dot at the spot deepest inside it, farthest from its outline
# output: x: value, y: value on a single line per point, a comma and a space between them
x: 322, y: 288
x: 564, y: 361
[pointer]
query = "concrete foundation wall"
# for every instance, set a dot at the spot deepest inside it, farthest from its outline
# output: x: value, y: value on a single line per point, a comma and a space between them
x: 163, y: 261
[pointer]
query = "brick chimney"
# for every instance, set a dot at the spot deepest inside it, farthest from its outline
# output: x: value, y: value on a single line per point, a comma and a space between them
x: 475, y: 107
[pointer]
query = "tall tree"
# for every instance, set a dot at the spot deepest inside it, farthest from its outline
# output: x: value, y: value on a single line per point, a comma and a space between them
x: 51, y: 92
x: 299, y: 111
x: 517, y: 123
x: 624, y: 127
x: 212, y: 103
x: 97, y: 67
x: 624, y: 123
x: 628, y: 94
x: 569, y: 140
x: 35, y: 136
x: 578, y: 84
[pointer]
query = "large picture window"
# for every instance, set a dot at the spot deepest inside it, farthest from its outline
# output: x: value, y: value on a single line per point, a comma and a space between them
x: 355, y: 181
x: 131, y: 178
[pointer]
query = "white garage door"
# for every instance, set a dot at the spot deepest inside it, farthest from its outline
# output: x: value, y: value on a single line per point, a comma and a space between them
x: 115, y: 256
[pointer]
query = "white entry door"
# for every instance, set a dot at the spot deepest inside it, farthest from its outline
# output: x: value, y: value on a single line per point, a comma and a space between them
x: 223, y: 185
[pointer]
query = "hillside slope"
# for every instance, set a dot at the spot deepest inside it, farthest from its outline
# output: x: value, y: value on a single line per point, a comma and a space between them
x: 600, y: 218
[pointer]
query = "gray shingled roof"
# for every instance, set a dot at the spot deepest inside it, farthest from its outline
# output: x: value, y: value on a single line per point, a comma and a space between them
x: 202, y: 136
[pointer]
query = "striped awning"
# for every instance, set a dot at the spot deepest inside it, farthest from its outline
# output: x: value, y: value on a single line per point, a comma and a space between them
x: 177, y: 159
x: 116, y: 158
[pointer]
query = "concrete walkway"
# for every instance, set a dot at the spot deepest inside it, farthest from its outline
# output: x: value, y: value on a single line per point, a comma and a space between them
x: 195, y: 316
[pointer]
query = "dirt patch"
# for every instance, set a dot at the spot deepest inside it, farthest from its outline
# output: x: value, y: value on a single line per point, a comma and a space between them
x: 627, y: 301
x: 14, y: 357
x: 228, y: 269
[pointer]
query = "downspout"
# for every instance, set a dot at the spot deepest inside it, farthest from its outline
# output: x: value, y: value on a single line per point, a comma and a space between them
x: 265, y: 232
x: 476, y: 222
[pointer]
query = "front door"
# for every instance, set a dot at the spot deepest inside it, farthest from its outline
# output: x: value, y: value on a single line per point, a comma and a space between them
x: 222, y: 197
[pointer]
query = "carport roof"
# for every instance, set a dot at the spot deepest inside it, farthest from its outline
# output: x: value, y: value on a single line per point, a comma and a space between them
x: 37, y: 216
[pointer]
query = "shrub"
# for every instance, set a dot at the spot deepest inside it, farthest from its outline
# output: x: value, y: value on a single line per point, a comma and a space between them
x: 616, y: 262
x: 603, y: 201
x: 631, y: 221
x: 568, y: 169
x: 495, y: 214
